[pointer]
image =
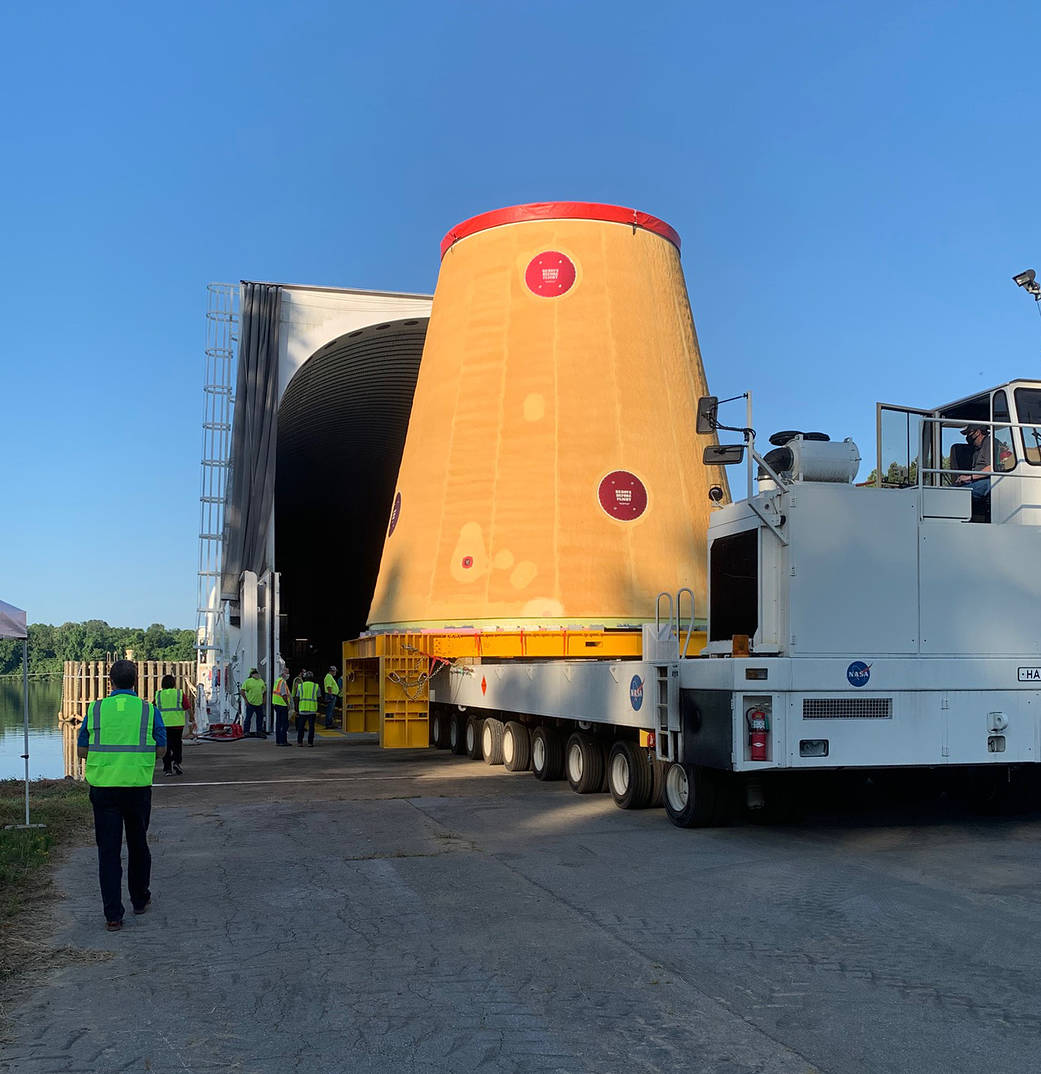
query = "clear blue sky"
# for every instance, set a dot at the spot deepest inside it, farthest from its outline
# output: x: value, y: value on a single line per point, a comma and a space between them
x: 854, y: 186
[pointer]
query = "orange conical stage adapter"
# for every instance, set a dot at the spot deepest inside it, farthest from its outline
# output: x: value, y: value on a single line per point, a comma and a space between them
x: 551, y: 474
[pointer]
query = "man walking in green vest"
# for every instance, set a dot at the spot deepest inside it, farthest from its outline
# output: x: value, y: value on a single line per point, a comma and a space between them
x: 120, y: 737
x: 253, y: 691
x: 332, y: 692
x: 306, y: 707
x: 173, y: 708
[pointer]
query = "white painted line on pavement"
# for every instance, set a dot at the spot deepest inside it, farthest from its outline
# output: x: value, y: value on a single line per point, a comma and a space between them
x: 328, y: 779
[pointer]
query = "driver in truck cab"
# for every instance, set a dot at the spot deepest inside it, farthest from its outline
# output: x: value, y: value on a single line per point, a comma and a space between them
x: 979, y: 440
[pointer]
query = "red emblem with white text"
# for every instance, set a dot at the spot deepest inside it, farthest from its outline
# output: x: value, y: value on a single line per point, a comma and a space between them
x: 550, y: 274
x: 622, y: 495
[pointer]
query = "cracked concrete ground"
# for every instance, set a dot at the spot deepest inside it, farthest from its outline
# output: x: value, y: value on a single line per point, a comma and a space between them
x: 343, y: 909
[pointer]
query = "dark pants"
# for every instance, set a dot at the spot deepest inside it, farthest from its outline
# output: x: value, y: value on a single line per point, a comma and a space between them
x: 116, y: 808
x: 174, y: 736
x: 330, y: 708
x: 251, y: 711
x: 281, y: 713
x: 301, y: 719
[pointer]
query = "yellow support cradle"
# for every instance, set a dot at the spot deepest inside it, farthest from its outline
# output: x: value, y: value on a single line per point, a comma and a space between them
x: 386, y: 676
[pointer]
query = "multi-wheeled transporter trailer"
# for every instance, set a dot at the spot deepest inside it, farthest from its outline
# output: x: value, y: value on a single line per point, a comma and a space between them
x: 894, y: 626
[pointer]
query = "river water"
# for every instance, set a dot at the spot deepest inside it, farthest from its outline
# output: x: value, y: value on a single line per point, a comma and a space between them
x: 46, y: 760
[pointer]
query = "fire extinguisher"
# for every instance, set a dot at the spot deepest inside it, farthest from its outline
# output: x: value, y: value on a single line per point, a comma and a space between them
x: 758, y: 726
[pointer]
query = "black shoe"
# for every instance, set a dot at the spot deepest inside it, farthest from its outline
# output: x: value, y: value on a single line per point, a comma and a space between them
x: 261, y: 735
x: 178, y: 769
x: 114, y: 926
x: 167, y: 772
x: 144, y: 907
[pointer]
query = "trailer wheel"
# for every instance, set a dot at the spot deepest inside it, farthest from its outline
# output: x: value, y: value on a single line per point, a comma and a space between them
x: 457, y: 733
x: 491, y: 741
x: 438, y: 728
x: 584, y: 765
x: 605, y: 753
x: 473, y: 748
x: 657, y: 784
x: 547, y: 754
x: 690, y: 796
x: 516, y: 747
x: 629, y: 775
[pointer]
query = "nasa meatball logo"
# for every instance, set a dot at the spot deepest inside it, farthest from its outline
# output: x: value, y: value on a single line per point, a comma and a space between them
x: 622, y: 495
x: 858, y: 673
x: 636, y: 692
x: 550, y: 274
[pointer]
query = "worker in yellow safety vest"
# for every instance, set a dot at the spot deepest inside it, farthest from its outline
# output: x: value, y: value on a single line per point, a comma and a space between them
x: 332, y: 692
x: 173, y: 706
x: 280, y: 704
x: 120, y: 737
x: 306, y: 708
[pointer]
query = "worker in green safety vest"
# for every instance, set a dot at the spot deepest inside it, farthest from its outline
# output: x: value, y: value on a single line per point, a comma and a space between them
x: 253, y: 691
x: 306, y: 697
x: 120, y: 737
x: 280, y: 705
x: 174, y: 708
x: 332, y: 692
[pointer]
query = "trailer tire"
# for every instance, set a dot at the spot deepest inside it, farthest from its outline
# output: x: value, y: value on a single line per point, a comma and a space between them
x: 472, y: 746
x: 516, y: 747
x: 438, y: 727
x: 690, y: 796
x: 547, y: 754
x: 629, y: 775
x: 657, y: 783
x: 491, y: 741
x: 605, y: 753
x: 584, y: 763
x: 457, y: 734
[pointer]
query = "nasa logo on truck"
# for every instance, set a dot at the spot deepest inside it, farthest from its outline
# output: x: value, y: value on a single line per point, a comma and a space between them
x: 858, y: 673
x: 636, y: 692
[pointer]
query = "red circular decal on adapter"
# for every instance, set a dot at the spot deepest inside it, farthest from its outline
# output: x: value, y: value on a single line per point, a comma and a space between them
x: 550, y: 274
x: 623, y: 495
x: 468, y: 562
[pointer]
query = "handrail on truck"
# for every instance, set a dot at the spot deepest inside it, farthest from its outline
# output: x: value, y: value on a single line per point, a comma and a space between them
x: 674, y: 616
x: 657, y: 612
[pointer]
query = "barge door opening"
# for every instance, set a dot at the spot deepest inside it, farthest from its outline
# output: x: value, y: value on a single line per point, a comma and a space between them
x: 341, y: 430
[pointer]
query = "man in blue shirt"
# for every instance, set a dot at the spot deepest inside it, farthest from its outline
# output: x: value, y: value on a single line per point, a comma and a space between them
x: 120, y: 737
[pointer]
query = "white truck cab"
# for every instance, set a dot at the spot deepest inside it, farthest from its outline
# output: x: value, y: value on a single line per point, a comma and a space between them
x: 888, y: 624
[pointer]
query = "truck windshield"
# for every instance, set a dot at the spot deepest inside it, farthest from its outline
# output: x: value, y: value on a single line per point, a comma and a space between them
x: 1028, y: 407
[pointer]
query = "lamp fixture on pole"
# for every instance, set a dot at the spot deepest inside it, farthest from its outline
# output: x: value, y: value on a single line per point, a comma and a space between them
x: 1028, y: 281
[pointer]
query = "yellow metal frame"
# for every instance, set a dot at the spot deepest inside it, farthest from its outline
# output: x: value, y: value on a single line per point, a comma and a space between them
x: 386, y: 676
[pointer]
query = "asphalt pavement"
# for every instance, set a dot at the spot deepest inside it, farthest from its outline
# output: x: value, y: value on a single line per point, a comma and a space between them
x: 346, y: 909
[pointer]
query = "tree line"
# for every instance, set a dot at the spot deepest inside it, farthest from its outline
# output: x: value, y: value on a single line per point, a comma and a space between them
x: 50, y: 646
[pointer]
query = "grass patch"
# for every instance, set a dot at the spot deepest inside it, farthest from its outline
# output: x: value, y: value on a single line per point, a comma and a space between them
x: 25, y: 858
x: 61, y: 804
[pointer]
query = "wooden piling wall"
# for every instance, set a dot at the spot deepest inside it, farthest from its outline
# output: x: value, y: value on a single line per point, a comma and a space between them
x: 84, y: 681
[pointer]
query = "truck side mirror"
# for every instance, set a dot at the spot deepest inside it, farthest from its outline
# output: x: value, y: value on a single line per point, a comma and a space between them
x: 706, y: 422
x: 722, y: 454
